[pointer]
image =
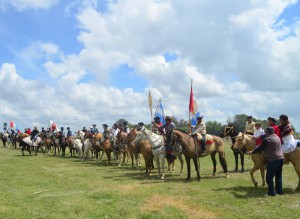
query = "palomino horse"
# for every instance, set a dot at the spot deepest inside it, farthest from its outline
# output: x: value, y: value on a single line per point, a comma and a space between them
x: 157, y: 146
x: 47, y: 140
x: 192, y: 150
x: 142, y: 147
x: 232, y: 132
x: 245, y: 141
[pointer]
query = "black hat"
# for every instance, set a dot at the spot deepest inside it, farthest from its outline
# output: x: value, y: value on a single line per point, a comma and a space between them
x: 94, y: 125
x: 84, y: 127
x: 272, y: 119
x: 68, y: 127
x: 125, y: 123
x: 105, y: 125
x: 141, y: 124
x: 62, y: 128
x: 156, y: 118
x: 42, y: 128
x: 249, y: 117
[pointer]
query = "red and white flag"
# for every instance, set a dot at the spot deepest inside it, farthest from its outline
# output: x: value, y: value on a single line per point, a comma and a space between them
x: 53, y: 126
x: 12, y: 125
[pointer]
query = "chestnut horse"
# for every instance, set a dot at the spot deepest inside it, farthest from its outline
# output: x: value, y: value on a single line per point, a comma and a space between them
x: 106, y: 145
x: 232, y: 132
x: 142, y: 147
x: 192, y: 150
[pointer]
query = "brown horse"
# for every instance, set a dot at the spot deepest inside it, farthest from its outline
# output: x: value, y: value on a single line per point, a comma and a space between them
x: 106, y: 145
x: 132, y: 147
x: 246, y: 142
x: 192, y: 150
x: 122, y: 149
x: 143, y: 147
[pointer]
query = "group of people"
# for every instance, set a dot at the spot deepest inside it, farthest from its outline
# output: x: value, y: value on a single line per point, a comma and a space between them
x: 275, y: 141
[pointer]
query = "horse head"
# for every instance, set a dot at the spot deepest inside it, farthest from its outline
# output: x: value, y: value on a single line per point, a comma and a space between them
x: 239, y: 141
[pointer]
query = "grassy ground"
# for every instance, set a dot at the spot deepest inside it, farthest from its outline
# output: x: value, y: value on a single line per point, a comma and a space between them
x: 54, y: 187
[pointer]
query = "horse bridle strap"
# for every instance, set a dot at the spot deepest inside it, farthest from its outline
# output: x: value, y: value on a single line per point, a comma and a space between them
x: 158, y: 146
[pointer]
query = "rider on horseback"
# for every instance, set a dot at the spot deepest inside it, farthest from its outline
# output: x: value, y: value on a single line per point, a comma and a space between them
x: 201, y: 129
x: 34, y: 134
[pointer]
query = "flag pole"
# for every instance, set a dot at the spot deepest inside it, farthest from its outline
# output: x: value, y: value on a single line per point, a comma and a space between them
x: 157, y: 105
x: 150, y: 104
x: 191, y: 105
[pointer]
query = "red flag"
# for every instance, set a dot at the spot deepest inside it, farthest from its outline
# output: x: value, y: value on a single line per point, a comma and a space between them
x: 191, y: 100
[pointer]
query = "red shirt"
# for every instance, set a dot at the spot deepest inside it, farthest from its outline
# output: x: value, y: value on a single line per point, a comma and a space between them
x: 28, y: 131
x: 276, y: 131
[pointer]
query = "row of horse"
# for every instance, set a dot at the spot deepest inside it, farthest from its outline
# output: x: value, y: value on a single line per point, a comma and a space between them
x: 140, y: 141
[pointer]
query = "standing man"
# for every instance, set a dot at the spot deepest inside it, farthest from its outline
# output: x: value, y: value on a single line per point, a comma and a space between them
x: 201, y: 129
x: 271, y: 145
x: 250, y: 126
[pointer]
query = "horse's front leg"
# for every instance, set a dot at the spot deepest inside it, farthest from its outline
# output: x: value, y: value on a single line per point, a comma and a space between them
x: 242, y: 162
x: 256, y: 167
x: 181, y: 163
x: 213, y: 158
x: 162, y: 158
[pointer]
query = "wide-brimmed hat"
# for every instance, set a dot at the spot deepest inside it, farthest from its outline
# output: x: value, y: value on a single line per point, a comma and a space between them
x: 68, y: 127
x: 105, y: 125
x: 156, y: 118
x: 272, y: 119
x: 168, y: 118
x: 250, y: 117
x: 141, y: 124
x: 200, y: 117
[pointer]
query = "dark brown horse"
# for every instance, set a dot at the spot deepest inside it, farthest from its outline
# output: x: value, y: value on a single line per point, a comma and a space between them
x: 192, y: 150
x: 232, y: 132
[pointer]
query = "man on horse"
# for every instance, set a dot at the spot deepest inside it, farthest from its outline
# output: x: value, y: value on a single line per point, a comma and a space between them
x: 201, y: 129
x: 69, y: 132
x: 156, y: 125
x: 126, y: 127
x: 250, y: 126
x: 34, y: 134
x: 272, y: 123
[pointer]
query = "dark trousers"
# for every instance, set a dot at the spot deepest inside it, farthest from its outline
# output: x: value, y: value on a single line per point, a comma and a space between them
x: 203, y: 141
x: 274, y: 169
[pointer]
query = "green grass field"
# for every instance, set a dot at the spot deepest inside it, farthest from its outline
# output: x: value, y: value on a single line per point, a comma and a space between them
x: 45, y: 186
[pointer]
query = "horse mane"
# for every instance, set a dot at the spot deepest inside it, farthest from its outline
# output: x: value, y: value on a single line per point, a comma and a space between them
x: 180, y: 130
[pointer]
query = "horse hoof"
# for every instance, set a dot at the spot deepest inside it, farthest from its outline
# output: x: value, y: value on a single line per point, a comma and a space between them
x: 227, y: 175
x: 162, y: 177
x: 255, y: 184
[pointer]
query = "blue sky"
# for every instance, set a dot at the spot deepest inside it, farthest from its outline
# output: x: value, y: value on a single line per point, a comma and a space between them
x: 104, y: 57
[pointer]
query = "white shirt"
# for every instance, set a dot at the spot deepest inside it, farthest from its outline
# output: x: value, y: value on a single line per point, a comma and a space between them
x: 115, y: 132
x: 258, y: 133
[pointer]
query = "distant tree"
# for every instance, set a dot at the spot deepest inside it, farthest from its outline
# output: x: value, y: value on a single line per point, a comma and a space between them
x: 239, y: 121
x: 213, y: 127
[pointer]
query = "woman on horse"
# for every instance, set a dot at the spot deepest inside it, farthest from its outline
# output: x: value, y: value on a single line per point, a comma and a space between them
x: 289, y: 144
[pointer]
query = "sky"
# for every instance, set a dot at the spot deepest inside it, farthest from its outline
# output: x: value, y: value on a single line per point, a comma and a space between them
x: 94, y: 61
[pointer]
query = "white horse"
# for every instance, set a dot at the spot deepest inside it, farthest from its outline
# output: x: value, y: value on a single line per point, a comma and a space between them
x: 78, y: 145
x: 158, y: 148
x: 80, y: 134
x: 87, y: 147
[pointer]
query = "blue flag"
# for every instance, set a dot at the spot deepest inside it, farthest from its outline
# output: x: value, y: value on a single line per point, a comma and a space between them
x: 160, y: 113
x: 194, y: 114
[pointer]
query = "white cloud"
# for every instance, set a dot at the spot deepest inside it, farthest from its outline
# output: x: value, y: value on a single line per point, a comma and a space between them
x: 22, y: 5
x: 231, y: 52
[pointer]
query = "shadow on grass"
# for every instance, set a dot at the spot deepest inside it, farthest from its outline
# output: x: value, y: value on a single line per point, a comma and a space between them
x: 246, y: 192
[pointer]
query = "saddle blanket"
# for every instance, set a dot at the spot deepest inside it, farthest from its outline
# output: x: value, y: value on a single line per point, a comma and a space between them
x: 209, y: 138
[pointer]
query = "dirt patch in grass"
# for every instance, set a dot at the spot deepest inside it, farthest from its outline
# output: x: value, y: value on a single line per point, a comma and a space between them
x: 156, y: 203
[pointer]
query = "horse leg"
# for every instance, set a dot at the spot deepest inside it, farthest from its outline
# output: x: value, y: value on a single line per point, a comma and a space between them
x: 256, y: 167
x: 296, y: 165
x: 197, y: 168
x: 213, y: 158
x: 223, y: 163
x: 121, y: 157
x: 102, y: 155
x: 132, y: 160
x: 158, y: 165
x: 23, y: 148
x: 242, y: 162
x: 29, y: 149
x: 188, y: 166
x: 236, y: 159
x: 162, y: 158
x: 181, y: 163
